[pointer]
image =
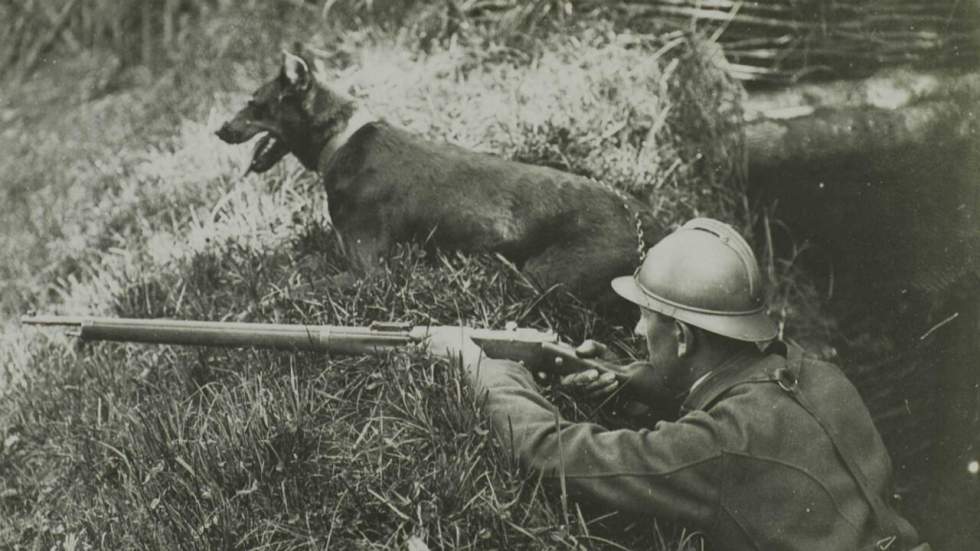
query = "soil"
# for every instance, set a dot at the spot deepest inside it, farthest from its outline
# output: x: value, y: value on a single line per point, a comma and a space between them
x: 898, y: 232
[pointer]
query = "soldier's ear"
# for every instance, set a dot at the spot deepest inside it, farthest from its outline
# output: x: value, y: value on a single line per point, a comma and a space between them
x: 296, y: 71
x: 685, y: 339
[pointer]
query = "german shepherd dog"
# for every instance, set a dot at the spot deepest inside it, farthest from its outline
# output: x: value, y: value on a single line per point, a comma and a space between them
x: 386, y: 186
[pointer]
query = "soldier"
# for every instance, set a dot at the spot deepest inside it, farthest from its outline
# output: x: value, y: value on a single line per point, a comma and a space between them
x: 771, y: 450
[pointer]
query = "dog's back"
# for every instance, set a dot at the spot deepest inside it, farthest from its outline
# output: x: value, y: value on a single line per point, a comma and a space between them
x: 561, y: 227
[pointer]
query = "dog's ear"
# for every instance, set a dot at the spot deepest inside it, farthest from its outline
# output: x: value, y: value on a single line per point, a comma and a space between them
x: 299, y: 49
x: 311, y: 56
x: 296, y: 71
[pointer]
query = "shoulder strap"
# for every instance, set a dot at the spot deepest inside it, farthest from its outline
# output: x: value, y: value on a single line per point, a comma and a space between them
x: 787, y: 378
x: 721, y: 380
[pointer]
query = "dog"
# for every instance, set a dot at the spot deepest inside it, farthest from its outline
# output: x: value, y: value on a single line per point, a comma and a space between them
x: 386, y: 185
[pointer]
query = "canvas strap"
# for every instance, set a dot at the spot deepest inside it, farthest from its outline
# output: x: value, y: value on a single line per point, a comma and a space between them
x: 787, y: 378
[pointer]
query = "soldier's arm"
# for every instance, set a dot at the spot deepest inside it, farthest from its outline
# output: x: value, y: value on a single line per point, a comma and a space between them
x: 671, y: 471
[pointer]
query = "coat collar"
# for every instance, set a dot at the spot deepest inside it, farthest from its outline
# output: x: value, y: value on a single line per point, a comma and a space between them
x: 744, y: 367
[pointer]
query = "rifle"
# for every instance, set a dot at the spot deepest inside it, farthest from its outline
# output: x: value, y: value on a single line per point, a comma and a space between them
x: 540, y: 351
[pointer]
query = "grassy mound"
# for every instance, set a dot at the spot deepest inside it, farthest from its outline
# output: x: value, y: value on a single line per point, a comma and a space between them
x: 127, y: 205
x: 160, y: 447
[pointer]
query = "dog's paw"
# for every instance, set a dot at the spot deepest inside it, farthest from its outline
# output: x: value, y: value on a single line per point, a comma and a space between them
x: 344, y: 281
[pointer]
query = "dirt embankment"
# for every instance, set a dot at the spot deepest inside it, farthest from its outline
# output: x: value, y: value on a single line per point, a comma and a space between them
x: 879, y: 177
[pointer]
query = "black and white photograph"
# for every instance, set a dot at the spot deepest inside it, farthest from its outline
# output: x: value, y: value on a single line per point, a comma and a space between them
x: 420, y: 275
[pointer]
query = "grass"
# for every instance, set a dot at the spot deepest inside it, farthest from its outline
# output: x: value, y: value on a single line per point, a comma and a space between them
x: 166, y: 447
x: 122, y: 202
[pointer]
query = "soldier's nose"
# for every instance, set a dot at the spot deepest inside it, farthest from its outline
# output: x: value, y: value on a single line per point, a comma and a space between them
x: 640, y: 329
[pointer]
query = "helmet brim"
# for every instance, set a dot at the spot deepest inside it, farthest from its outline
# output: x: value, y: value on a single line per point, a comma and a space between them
x: 752, y: 327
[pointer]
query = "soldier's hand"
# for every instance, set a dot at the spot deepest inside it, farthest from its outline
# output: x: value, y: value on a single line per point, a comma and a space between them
x: 590, y: 383
x: 595, y: 350
x: 453, y: 341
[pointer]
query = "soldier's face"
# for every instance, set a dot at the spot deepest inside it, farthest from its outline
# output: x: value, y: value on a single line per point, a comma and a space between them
x: 660, y: 333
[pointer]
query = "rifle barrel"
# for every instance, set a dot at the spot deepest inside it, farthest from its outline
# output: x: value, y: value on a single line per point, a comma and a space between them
x: 53, y: 320
x: 325, y: 338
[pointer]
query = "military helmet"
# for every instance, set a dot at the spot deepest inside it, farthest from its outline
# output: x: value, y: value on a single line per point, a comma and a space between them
x: 704, y: 274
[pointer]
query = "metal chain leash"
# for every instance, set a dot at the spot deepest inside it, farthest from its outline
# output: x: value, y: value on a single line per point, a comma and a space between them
x: 637, y: 221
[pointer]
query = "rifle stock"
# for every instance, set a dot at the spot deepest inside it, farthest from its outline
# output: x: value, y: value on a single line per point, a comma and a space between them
x: 541, y: 351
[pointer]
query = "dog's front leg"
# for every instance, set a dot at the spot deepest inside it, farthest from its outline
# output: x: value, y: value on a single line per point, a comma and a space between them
x: 364, y: 250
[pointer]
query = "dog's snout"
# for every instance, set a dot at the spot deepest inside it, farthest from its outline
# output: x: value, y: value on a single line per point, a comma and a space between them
x: 236, y: 131
x: 224, y: 132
